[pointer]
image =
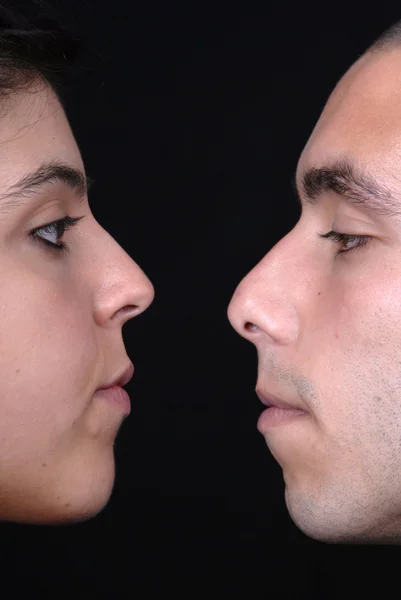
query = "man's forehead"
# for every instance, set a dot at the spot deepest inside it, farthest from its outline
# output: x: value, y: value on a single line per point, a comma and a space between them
x: 371, y: 82
x: 362, y: 117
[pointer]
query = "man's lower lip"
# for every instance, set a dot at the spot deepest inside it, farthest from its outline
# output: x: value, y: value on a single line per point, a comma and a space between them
x: 118, y: 396
x: 275, y: 416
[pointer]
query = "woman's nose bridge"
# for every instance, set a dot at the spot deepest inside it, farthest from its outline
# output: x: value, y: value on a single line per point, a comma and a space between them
x: 122, y: 275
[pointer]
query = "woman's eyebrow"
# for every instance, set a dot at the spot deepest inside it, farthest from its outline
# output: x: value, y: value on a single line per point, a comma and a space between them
x: 46, y: 173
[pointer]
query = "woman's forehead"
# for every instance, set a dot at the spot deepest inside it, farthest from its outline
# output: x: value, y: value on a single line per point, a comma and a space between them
x: 35, y: 130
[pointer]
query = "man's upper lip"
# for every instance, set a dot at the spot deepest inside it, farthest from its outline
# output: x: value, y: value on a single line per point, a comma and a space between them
x: 271, y: 400
x: 122, y: 379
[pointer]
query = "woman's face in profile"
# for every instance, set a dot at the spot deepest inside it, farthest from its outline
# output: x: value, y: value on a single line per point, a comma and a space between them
x: 61, y: 314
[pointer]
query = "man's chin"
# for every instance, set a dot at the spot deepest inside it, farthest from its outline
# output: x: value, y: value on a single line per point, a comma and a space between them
x: 307, y: 518
x: 332, y: 523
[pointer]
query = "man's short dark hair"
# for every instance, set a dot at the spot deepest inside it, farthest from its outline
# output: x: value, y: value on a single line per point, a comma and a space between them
x: 388, y: 39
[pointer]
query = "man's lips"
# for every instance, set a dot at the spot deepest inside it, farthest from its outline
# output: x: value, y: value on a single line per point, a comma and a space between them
x: 279, y: 412
x: 270, y: 400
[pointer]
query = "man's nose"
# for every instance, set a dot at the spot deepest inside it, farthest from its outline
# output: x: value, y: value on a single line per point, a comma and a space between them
x: 263, y: 306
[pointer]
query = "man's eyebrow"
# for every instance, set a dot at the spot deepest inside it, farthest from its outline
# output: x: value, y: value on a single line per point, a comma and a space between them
x: 354, y: 186
x: 46, y: 173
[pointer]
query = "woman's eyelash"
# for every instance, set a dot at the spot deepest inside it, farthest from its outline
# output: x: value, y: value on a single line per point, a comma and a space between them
x: 345, y: 238
x: 55, y: 228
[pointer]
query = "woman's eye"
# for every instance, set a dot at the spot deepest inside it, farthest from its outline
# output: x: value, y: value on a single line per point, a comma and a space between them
x: 352, y: 242
x: 54, y: 231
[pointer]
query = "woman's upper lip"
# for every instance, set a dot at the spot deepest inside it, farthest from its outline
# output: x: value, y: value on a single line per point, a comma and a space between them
x: 122, y: 379
x: 271, y: 400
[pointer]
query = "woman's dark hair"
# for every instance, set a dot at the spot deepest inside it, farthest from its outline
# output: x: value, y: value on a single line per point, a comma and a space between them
x: 34, y: 50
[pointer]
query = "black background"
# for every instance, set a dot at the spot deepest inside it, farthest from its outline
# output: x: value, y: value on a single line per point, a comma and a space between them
x: 190, y: 118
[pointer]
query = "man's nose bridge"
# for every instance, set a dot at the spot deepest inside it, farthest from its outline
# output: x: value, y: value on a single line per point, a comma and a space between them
x: 278, y: 267
x: 285, y: 274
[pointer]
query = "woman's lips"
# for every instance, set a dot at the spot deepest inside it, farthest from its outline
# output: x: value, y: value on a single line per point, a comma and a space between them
x: 118, y: 396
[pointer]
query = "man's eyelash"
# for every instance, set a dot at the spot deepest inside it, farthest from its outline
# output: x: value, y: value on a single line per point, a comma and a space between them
x: 58, y: 227
x: 345, y: 238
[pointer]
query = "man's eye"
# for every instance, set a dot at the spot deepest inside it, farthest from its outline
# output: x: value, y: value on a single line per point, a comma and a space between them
x: 356, y: 241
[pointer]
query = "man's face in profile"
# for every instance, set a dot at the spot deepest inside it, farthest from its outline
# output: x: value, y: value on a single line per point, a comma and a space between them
x: 324, y: 313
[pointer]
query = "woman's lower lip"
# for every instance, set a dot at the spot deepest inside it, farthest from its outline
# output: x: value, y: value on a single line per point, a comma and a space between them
x: 275, y: 416
x: 118, y: 396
